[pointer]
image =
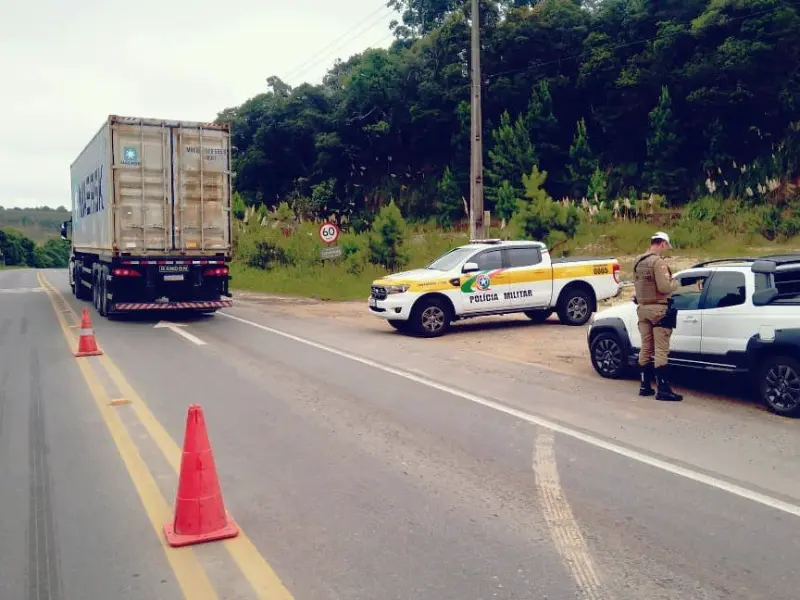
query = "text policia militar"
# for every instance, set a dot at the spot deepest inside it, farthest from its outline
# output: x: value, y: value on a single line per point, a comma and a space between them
x: 492, y: 297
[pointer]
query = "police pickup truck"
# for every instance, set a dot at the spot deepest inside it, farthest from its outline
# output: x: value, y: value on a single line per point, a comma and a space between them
x: 736, y: 316
x: 493, y: 277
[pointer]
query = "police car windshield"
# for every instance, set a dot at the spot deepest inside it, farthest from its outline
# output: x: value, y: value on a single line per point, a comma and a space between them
x: 451, y: 260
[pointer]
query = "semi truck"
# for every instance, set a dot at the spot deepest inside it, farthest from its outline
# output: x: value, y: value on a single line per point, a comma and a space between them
x: 151, y: 217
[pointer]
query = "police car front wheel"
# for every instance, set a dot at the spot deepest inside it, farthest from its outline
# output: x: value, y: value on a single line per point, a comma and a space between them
x: 431, y: 318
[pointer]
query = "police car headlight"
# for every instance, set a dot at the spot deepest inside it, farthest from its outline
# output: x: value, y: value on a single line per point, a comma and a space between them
x: 396, y: 289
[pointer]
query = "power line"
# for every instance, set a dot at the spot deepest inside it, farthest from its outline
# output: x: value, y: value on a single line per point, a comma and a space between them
x: 369, y: 16
x: 304, y: 67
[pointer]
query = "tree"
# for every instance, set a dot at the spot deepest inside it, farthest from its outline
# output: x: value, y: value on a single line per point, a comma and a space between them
x: 238, y: 207
x: 543, y: 129
x: 512, y: 155
x: 582, y: 162
x: 448, y: 201
x: 387, y: 238
x: 507, y: 199
x: 387, y: 122
x: 666, y: 175
x: 538, y: 217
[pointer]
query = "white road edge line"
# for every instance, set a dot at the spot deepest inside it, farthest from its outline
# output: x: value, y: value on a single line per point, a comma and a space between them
x: 731, y: 488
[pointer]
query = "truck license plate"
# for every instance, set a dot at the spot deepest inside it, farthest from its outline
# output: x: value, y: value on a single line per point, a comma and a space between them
x: 173, y: 268
x: 373, y: 302
x: 173, y: 277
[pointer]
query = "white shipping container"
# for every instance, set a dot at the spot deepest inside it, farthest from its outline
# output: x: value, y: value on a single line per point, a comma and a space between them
x: 145, y: 187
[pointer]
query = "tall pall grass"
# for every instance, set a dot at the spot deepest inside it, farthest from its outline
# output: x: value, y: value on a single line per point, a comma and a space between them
x: 282, y: 256
x: 275, y: 253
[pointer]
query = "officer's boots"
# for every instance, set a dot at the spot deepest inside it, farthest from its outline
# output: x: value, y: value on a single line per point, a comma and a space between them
x: 647, y: 376
x: 665, y: 392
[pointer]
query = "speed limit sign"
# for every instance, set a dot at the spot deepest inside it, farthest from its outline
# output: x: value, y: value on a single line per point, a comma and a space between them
x: 328, y: 233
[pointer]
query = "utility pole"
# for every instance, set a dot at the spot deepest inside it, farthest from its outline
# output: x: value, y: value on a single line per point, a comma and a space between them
x: 477, y: 227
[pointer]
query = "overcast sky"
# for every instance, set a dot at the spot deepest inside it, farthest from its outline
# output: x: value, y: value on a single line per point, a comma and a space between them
x: 66, y: 65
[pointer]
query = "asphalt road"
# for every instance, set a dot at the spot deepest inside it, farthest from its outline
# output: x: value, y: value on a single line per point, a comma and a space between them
x: 368, y: 466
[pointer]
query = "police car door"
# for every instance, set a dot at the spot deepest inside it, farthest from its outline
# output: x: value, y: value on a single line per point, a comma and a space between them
x: 485, y: 290
x: 530, y: 281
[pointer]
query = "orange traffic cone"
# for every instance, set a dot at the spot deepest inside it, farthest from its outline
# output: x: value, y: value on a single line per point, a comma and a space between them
x: 87, y: 345
x: 200, y: 514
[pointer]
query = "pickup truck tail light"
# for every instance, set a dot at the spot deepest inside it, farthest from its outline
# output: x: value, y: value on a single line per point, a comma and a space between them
x: 126, y: 273
x: 616, y: 272
x: 216, y: 272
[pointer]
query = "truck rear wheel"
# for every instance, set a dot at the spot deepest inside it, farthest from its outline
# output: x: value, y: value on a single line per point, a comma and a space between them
x: 80, y: 290
x: 96, y: 291
x: 103, y: 288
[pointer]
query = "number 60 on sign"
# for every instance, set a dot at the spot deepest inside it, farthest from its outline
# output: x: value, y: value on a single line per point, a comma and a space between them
x: 328, y: 233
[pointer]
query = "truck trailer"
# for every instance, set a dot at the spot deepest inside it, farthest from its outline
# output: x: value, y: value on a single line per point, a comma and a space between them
x: 151, y: 217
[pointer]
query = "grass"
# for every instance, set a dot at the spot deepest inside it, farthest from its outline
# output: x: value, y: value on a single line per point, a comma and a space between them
x: 298, y: 271
x: 327, y: 282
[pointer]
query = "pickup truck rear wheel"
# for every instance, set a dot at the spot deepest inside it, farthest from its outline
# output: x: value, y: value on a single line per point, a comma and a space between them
x: 779, y: 385
x: 575, y: 307
x: 431, y: 317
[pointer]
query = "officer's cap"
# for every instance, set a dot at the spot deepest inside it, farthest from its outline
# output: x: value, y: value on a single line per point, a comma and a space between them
x: 659, y: 236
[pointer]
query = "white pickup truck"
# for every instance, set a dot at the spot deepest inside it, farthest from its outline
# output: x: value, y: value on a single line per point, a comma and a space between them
x: 736, y: 316
x: 494, y: 277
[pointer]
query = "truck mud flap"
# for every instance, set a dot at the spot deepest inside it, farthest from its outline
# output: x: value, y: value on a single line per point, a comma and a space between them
x: 120, y: 306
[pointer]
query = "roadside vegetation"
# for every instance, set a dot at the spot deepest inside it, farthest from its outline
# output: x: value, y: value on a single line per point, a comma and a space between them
x: 277, y: 254
x: 17, y: 250
x: 39, y: 224
x: 633, y: 117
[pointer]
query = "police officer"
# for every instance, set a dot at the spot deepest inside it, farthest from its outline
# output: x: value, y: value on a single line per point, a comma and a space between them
x: 654, y: 285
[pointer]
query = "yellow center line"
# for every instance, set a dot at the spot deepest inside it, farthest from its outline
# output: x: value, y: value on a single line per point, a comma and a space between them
x: 254, y: 567
x: 191, y: 576
x: 564, y: 528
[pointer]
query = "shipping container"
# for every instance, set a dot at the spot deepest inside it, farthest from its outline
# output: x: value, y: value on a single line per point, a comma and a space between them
x: 151, y: 216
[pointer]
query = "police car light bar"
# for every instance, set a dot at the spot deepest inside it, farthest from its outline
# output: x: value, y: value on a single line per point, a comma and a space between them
x: 489, y: 241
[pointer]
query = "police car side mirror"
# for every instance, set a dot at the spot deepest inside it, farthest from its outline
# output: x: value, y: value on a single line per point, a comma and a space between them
x: 470, y: 267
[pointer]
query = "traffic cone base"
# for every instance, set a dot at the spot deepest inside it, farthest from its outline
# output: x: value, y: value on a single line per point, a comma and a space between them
x: 176, y: 540
x: 87, y: 344
x: 200, y: 514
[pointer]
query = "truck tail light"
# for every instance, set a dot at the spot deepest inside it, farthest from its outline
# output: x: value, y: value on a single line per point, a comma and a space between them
x: 216, y: 272
x: 616, y: 272
x: 126, y: 273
